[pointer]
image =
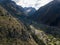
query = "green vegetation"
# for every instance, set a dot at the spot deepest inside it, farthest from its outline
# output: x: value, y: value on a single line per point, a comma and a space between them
x: 12, y: 31
x: 48, y: 34
x: 38, y: 41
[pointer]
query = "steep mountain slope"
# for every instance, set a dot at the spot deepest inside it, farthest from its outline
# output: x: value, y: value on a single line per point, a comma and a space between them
x: 15, y: 34
x: 49, y: 14
x: 11, y: 7
x: 43, y: 34
x: 12, y: 31
x: 17, y: 10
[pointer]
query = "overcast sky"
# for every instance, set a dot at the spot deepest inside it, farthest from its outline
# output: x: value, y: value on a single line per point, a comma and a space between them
x: 32, y: 3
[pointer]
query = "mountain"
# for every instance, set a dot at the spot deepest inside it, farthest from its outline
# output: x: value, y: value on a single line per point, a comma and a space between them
x: 12, y: 31
x: 49, y: 14
x: 17, y: 10
x: 11, y: 7
x: 17, y: 29
x: 29, y: 10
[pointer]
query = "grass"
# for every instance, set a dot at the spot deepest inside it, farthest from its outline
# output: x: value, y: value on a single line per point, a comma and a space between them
x: 13, y: 32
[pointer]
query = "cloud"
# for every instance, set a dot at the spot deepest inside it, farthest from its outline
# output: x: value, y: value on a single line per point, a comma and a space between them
x: 32, y: 3
x: 16, y: 1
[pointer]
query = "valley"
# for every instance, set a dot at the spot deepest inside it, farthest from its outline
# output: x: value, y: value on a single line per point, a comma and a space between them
x: 18, y: 29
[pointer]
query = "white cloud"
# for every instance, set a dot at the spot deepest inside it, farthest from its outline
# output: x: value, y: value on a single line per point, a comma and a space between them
x: 32, y: 3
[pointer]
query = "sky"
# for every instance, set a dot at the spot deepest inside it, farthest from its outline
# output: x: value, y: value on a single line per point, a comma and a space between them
x: 32, y: 3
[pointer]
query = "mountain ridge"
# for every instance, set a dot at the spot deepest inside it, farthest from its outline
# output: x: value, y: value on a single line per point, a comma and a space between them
x: 48, y: 14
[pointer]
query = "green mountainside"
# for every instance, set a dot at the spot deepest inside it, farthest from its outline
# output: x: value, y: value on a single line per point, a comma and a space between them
x: 12, y: 31
x: 16, y: 29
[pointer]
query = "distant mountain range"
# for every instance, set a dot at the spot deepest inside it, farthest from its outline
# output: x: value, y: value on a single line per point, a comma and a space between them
x: 29, y: 11
x: 12, y: 6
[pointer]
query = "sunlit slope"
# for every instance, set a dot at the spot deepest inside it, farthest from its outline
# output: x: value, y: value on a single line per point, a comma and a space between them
x: 48, y: 34
x: 12, y: 31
